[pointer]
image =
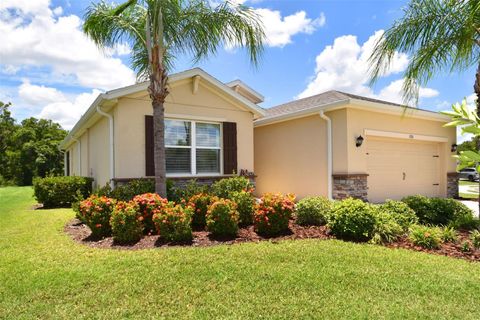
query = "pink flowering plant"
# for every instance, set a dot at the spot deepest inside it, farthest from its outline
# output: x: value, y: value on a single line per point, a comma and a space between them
x: 273, y: 212
x: 127, y: 225
x: 200, y: 203
x: 95, y: 212
x: 222, y: 217
x: 147, y: 204
x: 173, y: 222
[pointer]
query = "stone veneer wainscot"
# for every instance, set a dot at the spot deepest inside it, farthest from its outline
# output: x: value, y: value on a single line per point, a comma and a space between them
x: 350, y: 185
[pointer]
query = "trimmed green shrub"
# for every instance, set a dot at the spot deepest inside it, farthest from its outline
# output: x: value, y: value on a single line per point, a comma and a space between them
x: 183, y: 193
x: 173, y: 222
x: 272, y: 213
x: 313, y: 211
x: 352, y: 219
x: 200, y: 203
x: 245, y: 206
x: 400, y: 212
x: 147, y: 204
x: 55, y: 192
x: 440, y: 211
x: 127, y: 191
x: 95, y: 212
x: 224, y: 187
x: 222, y: 218
x: 386, y: 229
x: 126, y: 226
x: 449, y: 234
x: 465, y: 222
x: 475, y: 238
x: 425, y: 236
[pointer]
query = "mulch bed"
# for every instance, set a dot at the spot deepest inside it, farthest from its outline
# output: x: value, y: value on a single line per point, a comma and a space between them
x: 82, y: 234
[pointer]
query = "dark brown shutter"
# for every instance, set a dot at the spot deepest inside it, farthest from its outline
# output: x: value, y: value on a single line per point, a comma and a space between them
x: 230, y: 148
x: 149, y: 147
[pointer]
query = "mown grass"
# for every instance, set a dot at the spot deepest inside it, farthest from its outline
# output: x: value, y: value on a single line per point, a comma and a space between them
x: 468, y: 195
x: 44, y: 274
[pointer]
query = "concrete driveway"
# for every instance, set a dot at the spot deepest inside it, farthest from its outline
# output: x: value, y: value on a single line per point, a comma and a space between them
x: 472, y: 205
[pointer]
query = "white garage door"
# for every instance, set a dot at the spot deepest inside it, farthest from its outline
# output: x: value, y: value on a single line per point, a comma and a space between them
x: 399, y: 168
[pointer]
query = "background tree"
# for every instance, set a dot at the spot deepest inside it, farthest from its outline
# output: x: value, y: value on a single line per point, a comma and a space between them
x: 161, y: 30
x: 29, y: 149
x: 469, y: 144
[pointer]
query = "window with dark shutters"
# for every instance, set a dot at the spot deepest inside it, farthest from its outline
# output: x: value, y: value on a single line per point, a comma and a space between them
x: 229, y: 148
x: 149, y: 147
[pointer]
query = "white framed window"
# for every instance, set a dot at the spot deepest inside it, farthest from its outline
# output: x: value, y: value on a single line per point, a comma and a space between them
x: 193, y: 147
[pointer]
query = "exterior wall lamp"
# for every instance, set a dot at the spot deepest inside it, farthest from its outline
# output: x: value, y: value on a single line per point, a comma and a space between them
x: 454, y: 147
x: 359, y: 141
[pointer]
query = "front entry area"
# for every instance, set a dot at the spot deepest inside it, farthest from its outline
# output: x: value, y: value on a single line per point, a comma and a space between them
x: 399, y: 167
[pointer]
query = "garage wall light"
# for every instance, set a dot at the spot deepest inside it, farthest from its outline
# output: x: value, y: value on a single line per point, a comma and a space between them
x: 359, y: 141
x: 454, y: 147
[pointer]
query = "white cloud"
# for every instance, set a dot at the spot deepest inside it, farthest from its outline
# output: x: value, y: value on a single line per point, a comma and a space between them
x: 344, y: 66
x: 31, y: 35
x: 68, y: 112
x: 38, y: 95
x: 280, y: 30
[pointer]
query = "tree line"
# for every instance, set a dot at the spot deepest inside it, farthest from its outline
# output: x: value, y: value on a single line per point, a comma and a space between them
x: 28, y: 148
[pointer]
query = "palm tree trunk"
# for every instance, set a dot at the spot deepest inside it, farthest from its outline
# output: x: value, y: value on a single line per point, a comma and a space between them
x: 476, y: 88
x: 158, y: 92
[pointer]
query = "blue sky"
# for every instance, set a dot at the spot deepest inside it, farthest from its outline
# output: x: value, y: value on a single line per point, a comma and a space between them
x: 49, y: 69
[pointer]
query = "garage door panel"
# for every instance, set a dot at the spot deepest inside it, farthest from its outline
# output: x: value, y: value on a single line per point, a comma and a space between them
x: 398, y: 168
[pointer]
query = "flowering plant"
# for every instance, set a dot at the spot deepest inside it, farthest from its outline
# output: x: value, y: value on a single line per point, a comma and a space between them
x: 95, y: 212
x: 245, y: 206
x: 222, y: 217
x: 147, y: 203
x: 173, y: 222
x: 273, y: 212
x: 127, y: 226
x: 199, y: 203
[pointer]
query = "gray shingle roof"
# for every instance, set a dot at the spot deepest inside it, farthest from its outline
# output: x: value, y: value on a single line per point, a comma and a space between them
x: 318, y: 100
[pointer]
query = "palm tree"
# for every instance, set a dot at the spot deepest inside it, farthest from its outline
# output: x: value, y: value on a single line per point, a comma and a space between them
x: 439, y: 35
x: 161, y: 30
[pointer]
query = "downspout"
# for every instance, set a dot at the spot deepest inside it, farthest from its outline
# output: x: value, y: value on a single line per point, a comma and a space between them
x: 65, y: 162
x: 329, y: 154
x: 79, y: 151
x: 112, y: 144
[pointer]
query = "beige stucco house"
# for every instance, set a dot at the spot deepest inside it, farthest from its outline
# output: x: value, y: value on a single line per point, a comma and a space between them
x: 332, y: 144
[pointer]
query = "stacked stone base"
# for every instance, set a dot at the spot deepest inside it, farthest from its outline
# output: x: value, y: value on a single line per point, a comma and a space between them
x: 452, y: 185
x: 350, y: 186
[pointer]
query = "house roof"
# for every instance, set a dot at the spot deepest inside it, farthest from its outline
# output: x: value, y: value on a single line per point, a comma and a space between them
x: 112, y: 95
x: 258, y: 98
x: 337, y: 99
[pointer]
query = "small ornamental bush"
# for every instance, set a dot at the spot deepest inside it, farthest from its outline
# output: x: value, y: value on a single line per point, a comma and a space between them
x: 440, y: 211
x: 126, y: 192
x: 62, y: 191
x: 95, y: 212
x: 425, y: 236
x: 127, y: 226
x: 352, y: 219
x: 222, y: 218
x: 200, y: 203
x: 449, y: 234
x: 313, y: 211
x: 386, y: 229
x: 147, y: 203
x: 272, y: 213
x: 181, y: 193
x: 465, y: 247
x: 225, y: 187
x: 173, y: 222
x: 400, y: 212
x: 245, y: 206
x: 475, y: 238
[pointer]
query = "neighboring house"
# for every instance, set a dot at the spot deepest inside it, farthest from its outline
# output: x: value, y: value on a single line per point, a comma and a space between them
x: 312, y: 146
x: 307, y: 146
x: 208, y: 135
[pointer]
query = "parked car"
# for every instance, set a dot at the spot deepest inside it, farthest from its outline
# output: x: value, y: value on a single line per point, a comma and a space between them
x: 469, y: 173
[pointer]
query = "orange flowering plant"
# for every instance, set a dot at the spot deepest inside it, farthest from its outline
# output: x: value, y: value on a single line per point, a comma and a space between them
x: 173, y: 222
x: 199, y: 203
x: 147, y: 204
x: 273, y: 212
x: 127, y: 226
x: 95, y: 212
x: 222, y: 217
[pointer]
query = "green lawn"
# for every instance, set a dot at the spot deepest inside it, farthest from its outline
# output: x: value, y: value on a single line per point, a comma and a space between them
x: 44, y: 275
x: 468, y: 195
